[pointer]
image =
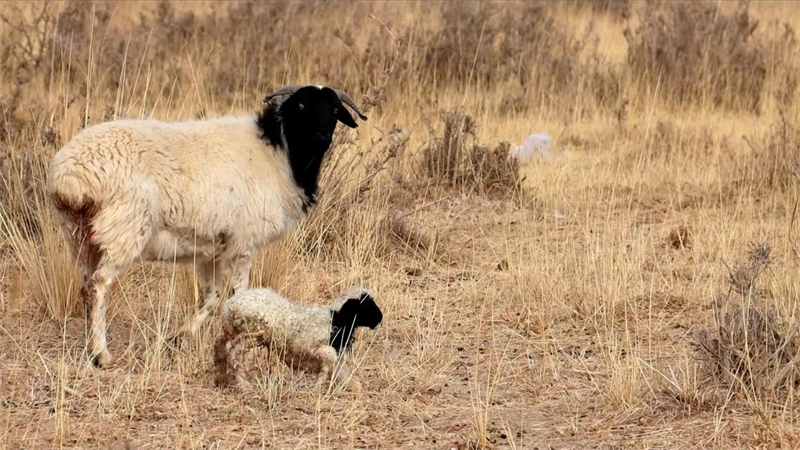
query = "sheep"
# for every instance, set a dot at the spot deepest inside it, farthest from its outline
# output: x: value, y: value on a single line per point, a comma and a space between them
x: 211, y: 192
x: 313, y: 338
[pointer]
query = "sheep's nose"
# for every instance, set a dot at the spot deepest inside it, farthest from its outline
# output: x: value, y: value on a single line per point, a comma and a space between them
x: 323, y: 136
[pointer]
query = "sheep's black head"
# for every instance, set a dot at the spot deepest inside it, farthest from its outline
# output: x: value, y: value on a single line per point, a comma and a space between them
x: 306, y: 118
x: 313, y: 112
x: 358, y: 311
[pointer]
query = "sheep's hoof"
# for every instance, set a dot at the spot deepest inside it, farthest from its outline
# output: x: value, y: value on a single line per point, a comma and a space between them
x: 103, y: 360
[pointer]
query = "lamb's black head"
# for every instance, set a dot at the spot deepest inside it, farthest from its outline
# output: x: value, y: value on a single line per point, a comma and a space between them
x: 360, y: 310
x: 305, y: 117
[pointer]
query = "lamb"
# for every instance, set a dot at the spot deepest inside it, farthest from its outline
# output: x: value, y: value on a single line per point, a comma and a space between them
x: 313, y: 338
x: 211, y: 192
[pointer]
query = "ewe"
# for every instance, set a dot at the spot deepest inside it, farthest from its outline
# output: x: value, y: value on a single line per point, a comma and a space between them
x: 313, y: 338
x: 211, y: 191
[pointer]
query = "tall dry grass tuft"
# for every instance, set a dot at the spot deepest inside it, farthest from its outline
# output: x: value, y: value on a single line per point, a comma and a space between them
x: 28, y: 225
x: 353, y: 216
x: 44, y: 259
x: 753, y: 346
x: 618, y: 10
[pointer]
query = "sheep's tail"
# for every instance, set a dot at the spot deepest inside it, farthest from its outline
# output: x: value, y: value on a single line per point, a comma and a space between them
x: 222, y: 352
x: 75, y: 206
x: 71, y: 190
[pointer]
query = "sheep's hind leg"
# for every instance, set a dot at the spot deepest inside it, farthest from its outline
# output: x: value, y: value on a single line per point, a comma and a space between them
x: 120, y: 229
x: 87, y: 259
x: 96, y: 298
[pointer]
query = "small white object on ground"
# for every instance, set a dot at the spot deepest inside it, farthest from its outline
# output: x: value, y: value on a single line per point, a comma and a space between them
x: 536, y: 147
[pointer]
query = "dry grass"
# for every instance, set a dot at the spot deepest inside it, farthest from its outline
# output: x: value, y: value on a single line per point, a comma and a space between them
x: 558, y: 304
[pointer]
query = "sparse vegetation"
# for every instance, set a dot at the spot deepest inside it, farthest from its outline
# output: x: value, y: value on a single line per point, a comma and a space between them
x: 718, y: 50
x: 569, y: 302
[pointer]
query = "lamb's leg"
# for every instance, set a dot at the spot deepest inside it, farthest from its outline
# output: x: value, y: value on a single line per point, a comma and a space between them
x: 241, y: 345
x: 229, y: 352
x: 225, y: 345
x: 343, y: 374
x: 326, y: 361
x: 97, y: 302
x: 332, y: 369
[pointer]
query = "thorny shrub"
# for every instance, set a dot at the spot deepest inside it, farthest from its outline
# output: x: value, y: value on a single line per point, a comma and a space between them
x: 455, y: 158
x: 773, y: 163
x: 751, y: 345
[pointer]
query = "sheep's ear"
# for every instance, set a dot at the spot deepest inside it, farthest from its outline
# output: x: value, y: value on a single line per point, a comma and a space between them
x: 344, y: 116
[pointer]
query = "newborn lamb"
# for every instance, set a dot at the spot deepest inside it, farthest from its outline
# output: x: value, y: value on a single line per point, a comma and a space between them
x: 312, y: 338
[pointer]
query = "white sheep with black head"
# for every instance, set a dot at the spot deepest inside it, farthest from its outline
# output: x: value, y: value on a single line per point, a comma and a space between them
x: 313, y: 338
x: 206, y: 191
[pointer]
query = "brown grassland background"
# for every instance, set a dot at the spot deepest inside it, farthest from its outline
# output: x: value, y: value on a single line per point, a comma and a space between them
x: 640, y: 287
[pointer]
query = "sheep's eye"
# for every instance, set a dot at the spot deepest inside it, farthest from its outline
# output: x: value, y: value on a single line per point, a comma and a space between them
x: 300, y: 107
x: 335, y: 111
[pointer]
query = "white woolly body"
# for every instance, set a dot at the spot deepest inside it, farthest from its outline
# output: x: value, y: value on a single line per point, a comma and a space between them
x: 300, y: 335
x: 300, y: 329
x: 210, y: 188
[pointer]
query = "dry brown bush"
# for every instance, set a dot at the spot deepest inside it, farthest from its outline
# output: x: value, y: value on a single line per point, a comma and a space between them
x: 524, y: 44
x: 772, y: 164
x: 169, y: 38
x: 751, y: 346
x: 616, y: 9
x: 700, y: 54
x: 22, y: 165
x: 456, y: 159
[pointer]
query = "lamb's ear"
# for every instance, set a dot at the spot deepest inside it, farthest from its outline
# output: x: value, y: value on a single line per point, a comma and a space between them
x: 344, y: 116
x: 369, y: 314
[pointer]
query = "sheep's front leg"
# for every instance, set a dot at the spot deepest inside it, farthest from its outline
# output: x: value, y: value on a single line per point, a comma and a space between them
x: 211, y: 279
x: 213, y: 286
x: 328, y: 370
x: 241, y: 272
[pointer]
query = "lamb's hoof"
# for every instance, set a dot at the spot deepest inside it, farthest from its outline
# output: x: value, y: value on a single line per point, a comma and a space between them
x: 177, y: 341
x: 103, y: 360
x: 322, y: 384
x: 354, y: 386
